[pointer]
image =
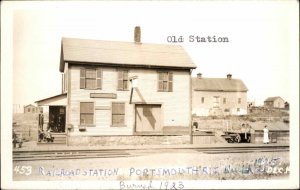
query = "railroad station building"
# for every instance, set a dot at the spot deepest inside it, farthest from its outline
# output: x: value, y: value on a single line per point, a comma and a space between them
x: 218, y: 96
x: 123, y: 92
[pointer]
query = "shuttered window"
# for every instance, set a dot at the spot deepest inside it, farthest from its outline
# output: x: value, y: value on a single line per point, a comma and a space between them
x: 90, y: 78
x: 165, y: 81
x: 86, y: 113
x: 239, y: 100
x: 122, y: 80
x: 118, y: 113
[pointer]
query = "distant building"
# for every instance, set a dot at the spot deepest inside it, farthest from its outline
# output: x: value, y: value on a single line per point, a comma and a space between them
x: 218, y: 96
x: 274, y: 102
x: 31, y: 109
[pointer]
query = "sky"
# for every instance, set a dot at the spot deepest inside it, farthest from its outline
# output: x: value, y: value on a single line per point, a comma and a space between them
x: 260, y: 49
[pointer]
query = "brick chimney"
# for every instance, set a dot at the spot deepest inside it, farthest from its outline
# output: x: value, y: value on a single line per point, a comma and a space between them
x: 199, y: 75
x: 137, y: 34
x: 229, y: 76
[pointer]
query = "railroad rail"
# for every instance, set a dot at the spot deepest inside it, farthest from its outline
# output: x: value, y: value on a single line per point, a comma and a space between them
x: 114, y: 153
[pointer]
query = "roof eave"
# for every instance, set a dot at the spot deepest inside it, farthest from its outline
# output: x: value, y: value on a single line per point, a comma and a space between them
x: 211, y: 90
x: 128, y: 65
x: 63, y: 94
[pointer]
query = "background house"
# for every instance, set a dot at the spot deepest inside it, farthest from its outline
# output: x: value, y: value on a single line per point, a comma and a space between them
x: 218, y: 96
x: 274, y: 102
x: 31, y: 109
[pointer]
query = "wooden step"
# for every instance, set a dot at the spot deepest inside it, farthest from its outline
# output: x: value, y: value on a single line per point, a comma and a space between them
x: 59, y: 138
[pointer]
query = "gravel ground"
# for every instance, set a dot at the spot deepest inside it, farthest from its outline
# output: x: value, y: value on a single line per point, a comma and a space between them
x: 183, y: 166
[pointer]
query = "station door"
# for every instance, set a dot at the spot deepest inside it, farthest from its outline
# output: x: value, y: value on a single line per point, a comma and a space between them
x: 148, y: 118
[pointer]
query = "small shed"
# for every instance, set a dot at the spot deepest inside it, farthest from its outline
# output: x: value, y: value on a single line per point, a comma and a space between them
x: 279, y: 132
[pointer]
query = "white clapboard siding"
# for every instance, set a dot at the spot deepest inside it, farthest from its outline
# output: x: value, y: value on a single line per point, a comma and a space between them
x: 103, y: 118
x: 175, y: 105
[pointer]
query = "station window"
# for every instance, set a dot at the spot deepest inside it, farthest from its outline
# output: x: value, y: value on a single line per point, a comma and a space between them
x: 122, y: 80
x: 165, y: 81
x: 86, y: 113
x: 90, y: 78
x: 118, y: 113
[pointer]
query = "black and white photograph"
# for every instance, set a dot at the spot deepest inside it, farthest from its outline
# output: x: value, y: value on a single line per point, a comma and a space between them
x: 150, y: 95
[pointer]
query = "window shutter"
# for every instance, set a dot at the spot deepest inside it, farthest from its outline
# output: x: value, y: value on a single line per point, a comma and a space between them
x: 160, y: 81
x: 82, y: 78
x: 170, y: 82
x: 99, y: 79
x: 114, y: 108
x: 120, y: 80
x: 125, y: 80
x: 125, y: 75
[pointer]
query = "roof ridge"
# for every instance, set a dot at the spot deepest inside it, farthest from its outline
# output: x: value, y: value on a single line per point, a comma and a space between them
x: 125, y: 42
x: 216, y: 78
x: 219, y: 84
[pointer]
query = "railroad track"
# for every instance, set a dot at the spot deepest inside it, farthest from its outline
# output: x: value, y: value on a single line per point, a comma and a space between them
x: 85, y: 154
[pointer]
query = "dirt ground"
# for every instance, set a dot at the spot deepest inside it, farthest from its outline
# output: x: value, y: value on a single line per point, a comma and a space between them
x: 169, y: 166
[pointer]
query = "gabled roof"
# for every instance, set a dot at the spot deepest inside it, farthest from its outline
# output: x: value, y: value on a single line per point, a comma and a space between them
x: 272, y: 99
x: 123, y: 53
x: 218, y: 84
x: 29, y: 105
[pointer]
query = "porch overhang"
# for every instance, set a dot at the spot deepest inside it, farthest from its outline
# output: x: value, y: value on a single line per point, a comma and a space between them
x: 58, y: 100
